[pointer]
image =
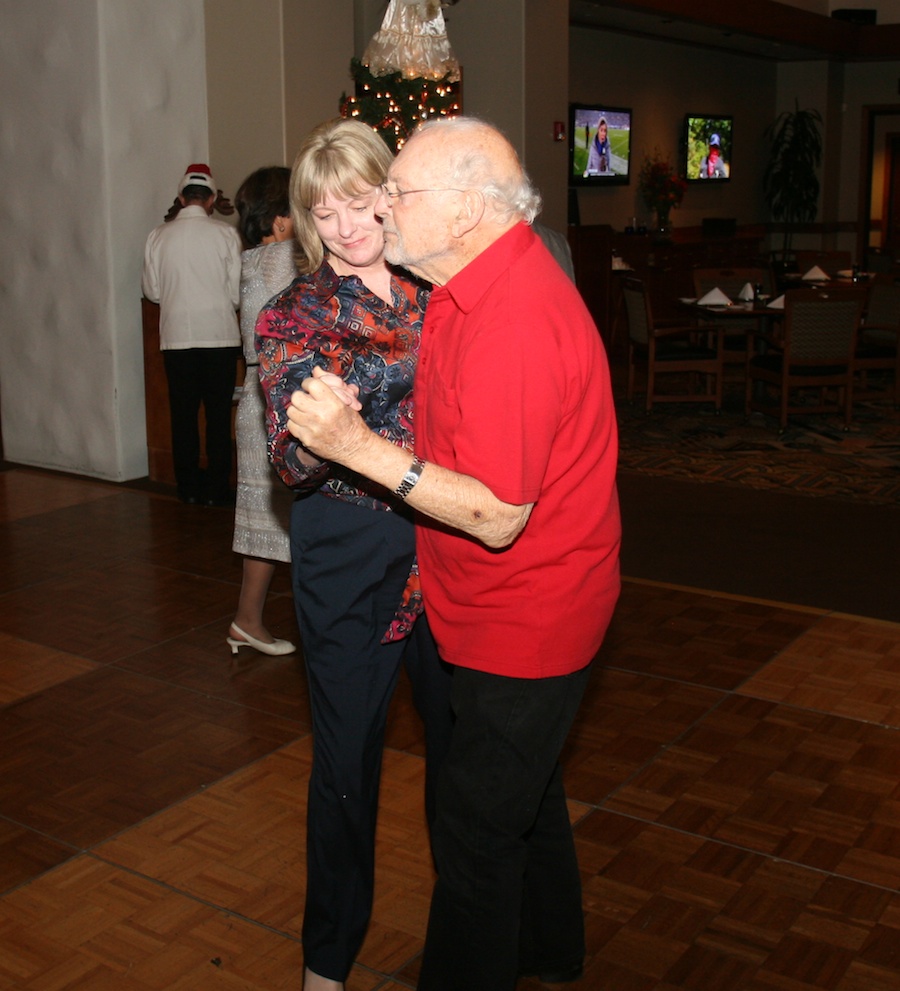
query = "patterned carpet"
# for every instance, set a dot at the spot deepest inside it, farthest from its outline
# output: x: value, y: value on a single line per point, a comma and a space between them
x: 814, y: 456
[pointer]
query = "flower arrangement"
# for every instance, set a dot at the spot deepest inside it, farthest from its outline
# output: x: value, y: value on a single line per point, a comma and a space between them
x: 660, y: 186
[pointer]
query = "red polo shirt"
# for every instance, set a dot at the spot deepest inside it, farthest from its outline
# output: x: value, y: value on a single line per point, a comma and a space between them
x: 513, y: 388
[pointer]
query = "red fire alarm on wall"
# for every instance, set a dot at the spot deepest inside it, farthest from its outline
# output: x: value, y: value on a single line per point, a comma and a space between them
x: 559, y: 131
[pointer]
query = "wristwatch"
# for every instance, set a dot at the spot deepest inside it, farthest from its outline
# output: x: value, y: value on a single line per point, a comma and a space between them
x: 410, y: 478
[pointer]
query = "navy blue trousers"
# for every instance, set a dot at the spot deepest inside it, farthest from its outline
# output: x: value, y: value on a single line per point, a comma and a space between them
x: 350, y: 565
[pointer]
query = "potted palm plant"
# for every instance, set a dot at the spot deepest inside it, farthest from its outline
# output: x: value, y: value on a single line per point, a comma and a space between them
x: 790, y: 181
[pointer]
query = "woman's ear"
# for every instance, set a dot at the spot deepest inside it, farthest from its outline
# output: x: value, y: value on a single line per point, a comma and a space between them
x: 283, y: 228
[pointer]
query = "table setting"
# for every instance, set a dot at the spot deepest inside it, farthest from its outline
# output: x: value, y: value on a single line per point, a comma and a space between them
x: 748, y: 301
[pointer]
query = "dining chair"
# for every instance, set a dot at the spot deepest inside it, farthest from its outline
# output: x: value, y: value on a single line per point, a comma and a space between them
x: 878, y: 348
x: 731, y: 281
x: 813, y: 352
x: 665, y: 349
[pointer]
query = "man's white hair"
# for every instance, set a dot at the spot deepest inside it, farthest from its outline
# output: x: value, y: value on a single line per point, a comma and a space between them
x: 510, y: 196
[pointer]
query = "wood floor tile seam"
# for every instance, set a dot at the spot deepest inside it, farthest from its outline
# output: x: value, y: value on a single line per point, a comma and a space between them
x: 739, y: 690
x: 890, y: 727
x: 202, y: 789
x: 790, y: 645
x: 191, y: 896
x: 384, y: 979
x: 118, y: 664
x: 750, y: 851
x: 670, y: 679
x: 662, y: 749
x: 90, y: 850
x: 789, y: 648
x: 31, y: 831
x: 387, y: 979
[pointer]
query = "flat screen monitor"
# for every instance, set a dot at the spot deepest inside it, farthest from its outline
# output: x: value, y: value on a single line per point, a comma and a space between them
x: 599, y: 144
x: 708, y: 147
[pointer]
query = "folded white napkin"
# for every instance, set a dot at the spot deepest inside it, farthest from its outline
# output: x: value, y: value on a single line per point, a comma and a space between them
x: 746, y: 294
x: 715, y: 297
x: 777, y: 303
x: 815, y: 274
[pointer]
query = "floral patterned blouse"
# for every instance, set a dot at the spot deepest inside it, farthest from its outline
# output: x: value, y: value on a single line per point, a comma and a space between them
x: 336, y: 323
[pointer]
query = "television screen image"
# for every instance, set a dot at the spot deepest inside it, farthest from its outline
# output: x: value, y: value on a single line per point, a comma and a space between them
x: 707, y: 147
x: 599, y: 144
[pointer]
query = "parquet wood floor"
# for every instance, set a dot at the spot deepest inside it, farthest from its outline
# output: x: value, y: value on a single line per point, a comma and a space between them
x: 734, y: 777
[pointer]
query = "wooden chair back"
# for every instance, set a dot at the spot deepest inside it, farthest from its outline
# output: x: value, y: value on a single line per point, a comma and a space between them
x: 821, y: 327
x: 883, y: 306
x: 637, y: 311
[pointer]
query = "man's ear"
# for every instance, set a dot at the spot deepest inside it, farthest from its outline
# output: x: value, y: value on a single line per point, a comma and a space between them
x: 470, y: 213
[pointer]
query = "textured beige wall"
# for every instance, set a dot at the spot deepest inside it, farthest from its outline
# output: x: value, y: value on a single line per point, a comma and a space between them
x: 318, y: 46
x: 275, y: 69
x: 244, y: 75
x: 105, y: 106
x: 546, y: 97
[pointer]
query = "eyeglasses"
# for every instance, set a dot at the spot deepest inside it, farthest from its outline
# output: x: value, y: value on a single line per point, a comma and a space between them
x: 397, y: 193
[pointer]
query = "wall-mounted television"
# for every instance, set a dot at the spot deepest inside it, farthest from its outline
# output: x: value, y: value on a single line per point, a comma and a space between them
x: 708, y: 147
x: 599, y: 144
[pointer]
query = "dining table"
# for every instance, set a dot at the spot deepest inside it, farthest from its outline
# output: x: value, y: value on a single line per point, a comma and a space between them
x: 755, y: 320
x: 758, y: 310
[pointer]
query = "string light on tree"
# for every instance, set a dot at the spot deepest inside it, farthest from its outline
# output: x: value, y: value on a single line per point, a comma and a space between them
x: 407, y: 74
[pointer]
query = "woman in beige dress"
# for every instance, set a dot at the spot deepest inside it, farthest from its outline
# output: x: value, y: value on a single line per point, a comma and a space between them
x: 263, y: 501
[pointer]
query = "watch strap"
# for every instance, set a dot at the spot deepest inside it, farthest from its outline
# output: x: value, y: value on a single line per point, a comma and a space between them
x: 413, y: 473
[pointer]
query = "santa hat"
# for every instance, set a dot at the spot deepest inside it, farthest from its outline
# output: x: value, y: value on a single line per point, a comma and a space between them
x: 197, y: 175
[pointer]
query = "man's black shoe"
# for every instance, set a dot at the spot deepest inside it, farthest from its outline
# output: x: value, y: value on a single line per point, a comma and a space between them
x: 225, y: 499
x: 561, y: 976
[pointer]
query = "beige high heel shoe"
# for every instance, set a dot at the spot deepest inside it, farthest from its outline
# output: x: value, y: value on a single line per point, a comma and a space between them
x: 275, y: 649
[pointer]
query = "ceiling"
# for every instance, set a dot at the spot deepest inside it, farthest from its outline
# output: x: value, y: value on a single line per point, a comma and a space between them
x: 757, y: 28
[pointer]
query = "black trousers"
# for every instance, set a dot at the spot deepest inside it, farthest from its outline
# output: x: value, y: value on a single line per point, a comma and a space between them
x: 201, y: 376
x: 508, y: 894
x: 350, y: 565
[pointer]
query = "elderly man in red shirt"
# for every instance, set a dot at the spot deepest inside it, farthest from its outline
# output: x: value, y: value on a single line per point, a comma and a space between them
x: 513, y: 481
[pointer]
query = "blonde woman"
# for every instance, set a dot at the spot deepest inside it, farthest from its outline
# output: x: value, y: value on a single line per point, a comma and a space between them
x: 352, y: 543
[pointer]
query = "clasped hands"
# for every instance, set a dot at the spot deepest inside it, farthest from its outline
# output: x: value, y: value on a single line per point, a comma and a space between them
x: 324, y: 416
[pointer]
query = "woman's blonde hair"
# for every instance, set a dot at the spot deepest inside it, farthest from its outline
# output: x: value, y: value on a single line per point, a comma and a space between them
x: 342, y: 157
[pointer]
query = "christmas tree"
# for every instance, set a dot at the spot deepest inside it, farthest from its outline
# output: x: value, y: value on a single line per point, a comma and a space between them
x: 408, y: 73
x: 395, y: 104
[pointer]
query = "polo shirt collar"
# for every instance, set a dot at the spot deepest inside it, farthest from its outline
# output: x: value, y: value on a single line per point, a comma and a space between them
x: 471, y: 284
x: 192, y: 210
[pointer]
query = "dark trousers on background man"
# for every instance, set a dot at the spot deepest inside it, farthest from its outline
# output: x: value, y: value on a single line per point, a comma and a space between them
x: 201, y: 376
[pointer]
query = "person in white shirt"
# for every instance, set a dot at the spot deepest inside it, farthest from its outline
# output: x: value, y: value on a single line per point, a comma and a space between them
x: 192, y: 268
